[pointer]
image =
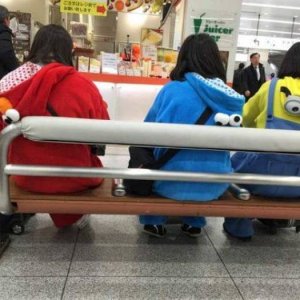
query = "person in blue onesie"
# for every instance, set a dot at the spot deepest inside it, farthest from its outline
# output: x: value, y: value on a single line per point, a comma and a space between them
x: 275, y: 106
x: 197, y: 82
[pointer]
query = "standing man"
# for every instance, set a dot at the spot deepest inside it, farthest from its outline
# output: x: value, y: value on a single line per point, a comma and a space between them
x: 253, y: 76
x: 8, y: 60
x: 237, y: 79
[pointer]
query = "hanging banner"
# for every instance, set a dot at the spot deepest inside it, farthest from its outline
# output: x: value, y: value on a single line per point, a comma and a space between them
x: 85, y: 7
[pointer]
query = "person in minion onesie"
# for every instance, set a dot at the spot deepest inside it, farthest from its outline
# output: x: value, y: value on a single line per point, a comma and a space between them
x: 275, y: 106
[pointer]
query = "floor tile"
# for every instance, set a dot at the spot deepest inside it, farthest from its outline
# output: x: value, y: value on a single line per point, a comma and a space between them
x: 115, y: 246
x: 40, y: 230
x: 281, y: 289
x: 150, y: 288
x: 33, y: 288
x: 42, y: 251
x: 275, y: 256
x: 45, y: 260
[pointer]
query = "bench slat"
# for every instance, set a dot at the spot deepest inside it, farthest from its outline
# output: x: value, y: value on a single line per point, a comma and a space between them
x: 101, y: 201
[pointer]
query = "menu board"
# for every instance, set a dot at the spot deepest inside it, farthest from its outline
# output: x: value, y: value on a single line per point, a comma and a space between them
x: 20, y: 24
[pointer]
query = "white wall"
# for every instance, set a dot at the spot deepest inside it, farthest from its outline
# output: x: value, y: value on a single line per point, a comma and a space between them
x: 179, y: 25
x: 131, y: 23
x: 37, y: 8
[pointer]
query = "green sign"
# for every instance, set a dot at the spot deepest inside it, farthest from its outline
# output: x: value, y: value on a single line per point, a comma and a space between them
x: 215, y: 27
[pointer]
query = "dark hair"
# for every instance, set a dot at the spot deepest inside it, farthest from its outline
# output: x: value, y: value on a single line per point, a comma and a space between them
x: 4, y: 14
x: 290, y: 65
x: 241, y: 66
x: 200, y: 54
x: 253, y: 54
x: 52, y: 43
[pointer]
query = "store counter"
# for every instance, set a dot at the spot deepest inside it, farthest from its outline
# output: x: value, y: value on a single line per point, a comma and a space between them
x: 129, y: 98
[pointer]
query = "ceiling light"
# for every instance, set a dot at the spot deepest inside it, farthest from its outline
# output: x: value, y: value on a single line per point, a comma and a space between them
x: 267, y: 30
x: 269, y: 21
x: 271, y: 5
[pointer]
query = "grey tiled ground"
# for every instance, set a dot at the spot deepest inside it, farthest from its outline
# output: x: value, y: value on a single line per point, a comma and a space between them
x: 112, y: 259
x: 150, y: 288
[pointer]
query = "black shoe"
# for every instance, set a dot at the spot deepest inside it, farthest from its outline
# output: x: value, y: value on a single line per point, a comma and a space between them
x: 190, y: 230
x: 243, y: 239
x: 4, y: 242
x: 155, y: 230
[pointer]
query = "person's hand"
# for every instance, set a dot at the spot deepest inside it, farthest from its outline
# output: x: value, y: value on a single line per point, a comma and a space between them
x: 247, y: 93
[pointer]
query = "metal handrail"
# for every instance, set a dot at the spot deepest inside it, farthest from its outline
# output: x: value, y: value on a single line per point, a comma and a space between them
x: 12, y: 131
x: 72, y: 130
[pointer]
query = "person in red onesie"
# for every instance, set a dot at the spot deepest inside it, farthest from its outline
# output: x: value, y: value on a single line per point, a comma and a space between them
x: 48, y: 85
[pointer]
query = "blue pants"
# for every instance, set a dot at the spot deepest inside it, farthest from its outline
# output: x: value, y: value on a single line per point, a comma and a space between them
x: 198, y: 222
x: 271, y: 164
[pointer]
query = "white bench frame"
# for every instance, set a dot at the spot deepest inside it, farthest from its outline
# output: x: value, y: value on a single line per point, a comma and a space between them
x: 84, y: 131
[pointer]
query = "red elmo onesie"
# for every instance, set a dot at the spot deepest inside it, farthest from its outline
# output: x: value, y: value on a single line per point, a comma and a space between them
x: 32, y: 90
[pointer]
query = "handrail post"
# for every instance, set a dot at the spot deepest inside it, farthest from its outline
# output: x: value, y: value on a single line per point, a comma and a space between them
x: 6, y: 137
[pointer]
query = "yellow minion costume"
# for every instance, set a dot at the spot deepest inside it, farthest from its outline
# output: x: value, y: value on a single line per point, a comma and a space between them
x: 286, y: 105
x: 275, y: 106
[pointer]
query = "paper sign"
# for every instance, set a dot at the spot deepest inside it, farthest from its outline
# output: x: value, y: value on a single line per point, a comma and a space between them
x: 109, y: 63
x: 150, y: 52
x: 84, y: 7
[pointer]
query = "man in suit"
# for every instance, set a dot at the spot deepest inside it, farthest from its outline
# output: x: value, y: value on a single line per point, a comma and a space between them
x: 237, y: 79
x: 8, y: 60
x: 253, y: 76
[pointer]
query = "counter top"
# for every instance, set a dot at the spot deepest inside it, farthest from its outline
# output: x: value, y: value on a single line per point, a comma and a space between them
x: 125, y: 79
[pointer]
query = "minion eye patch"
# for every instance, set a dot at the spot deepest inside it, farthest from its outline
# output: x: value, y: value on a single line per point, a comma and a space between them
x: 292, y: 103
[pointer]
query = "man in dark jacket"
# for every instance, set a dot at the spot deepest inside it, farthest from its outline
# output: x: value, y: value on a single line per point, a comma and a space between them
x: 253, y: 76
x: 8, y: 60
x: 237, y: 79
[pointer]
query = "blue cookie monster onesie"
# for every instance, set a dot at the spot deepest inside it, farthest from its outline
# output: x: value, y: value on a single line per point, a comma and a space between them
x: 182, y: 102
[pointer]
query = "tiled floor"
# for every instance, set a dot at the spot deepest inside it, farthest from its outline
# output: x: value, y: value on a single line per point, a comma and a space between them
x: 112, y: 259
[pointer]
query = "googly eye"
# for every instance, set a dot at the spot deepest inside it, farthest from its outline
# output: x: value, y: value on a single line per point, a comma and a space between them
x: 235, y: 120
x: 292, y: 107
x: 12, y: 116
x: 221, y: 119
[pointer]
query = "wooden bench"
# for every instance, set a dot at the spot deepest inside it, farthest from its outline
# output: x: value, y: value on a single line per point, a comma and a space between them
x: 101, y: 201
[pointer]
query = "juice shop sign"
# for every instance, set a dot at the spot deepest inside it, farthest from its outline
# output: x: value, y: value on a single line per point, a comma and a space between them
x: 217, y: 28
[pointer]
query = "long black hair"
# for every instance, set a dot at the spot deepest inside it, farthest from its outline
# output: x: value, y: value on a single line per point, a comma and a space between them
x: 52, y: 43
x: 200, y: 54
x: 291, y: 63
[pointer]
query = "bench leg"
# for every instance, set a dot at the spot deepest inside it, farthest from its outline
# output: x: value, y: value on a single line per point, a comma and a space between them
x: 4, y: 242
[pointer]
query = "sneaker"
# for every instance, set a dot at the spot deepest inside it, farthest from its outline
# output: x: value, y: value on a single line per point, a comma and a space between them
x: 83, y: 221
x: 155, y: 230
x: 190, y: 230
x: 241, y: 238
